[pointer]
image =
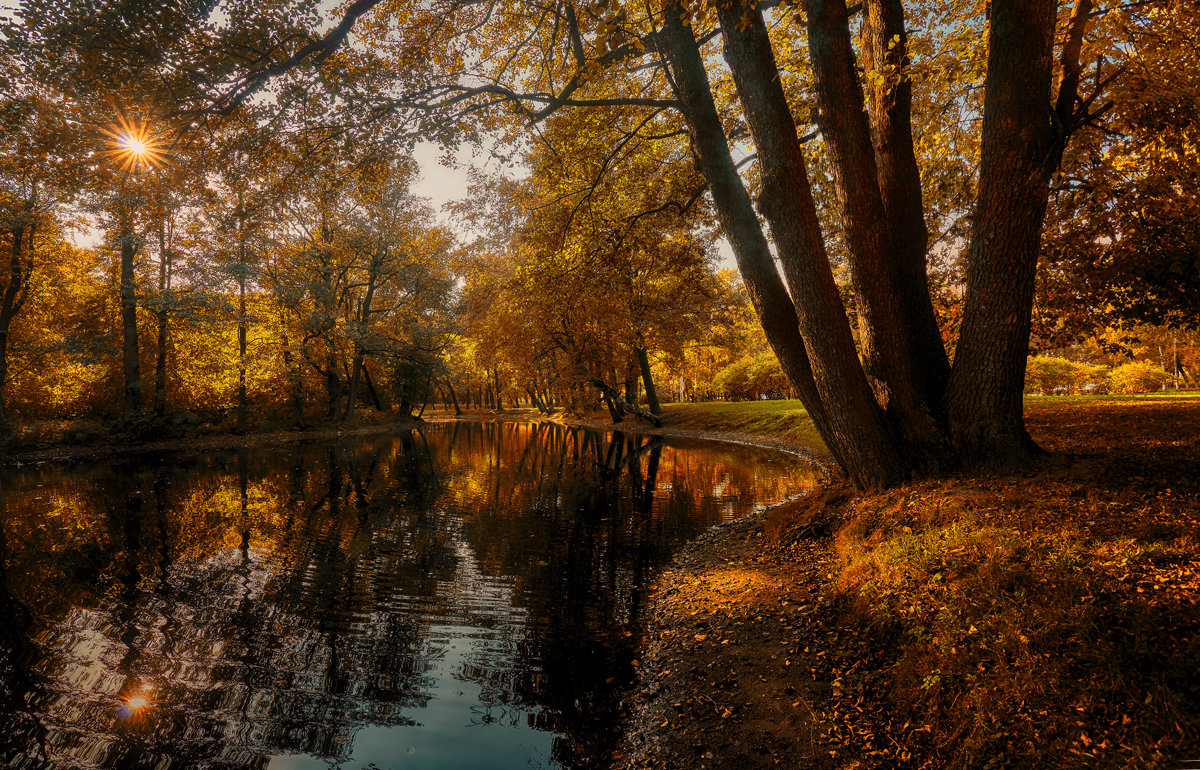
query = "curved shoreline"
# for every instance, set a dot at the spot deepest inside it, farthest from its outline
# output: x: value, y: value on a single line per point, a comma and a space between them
x: 802, y: 451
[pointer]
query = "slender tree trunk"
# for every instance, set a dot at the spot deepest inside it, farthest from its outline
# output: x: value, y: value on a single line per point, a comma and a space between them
x: 648, y: 382
x: 424, y: 398
x: 333, y: 386
x: 294, y: 375
x: 160, y: 361
x: 13, y: 298
x: 857, y: 438
x: 496, y: 381
x: 371, y: 389
x: 986, y: 384
x: 129, y: 346
x: 241, y: 406
x: 364, y: 316
x: 453, y: 396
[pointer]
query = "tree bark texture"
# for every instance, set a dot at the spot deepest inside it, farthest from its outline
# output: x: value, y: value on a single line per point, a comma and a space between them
x: 882, y: 332
x: 931, y: 417
x: 885, y: 52
x: 987, y: 381
x: 869, y: 461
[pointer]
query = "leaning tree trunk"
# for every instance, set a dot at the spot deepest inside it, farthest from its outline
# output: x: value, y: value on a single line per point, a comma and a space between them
x: 648, y: 382
x: 612, y: 397
x: 453, y: 397
x: 883, y: 334
x: 984, y: 398
x: 855, y: 435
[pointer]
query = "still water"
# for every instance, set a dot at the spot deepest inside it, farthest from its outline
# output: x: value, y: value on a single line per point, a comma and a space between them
x: 461, y: 596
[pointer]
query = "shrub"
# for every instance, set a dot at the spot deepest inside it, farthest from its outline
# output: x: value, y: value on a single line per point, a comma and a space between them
x: 733, y: 382
x: 1137, y: 377
x: 1050, y: 374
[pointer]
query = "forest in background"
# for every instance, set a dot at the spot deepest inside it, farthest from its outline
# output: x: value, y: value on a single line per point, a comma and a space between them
x: 262, y: 260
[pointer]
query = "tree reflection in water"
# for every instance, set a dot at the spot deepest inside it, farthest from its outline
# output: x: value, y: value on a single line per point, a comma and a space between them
x: 461, y: 595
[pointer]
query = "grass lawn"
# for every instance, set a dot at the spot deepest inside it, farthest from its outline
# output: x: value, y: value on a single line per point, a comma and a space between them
x: 787, y: 419
x: 779, y: 419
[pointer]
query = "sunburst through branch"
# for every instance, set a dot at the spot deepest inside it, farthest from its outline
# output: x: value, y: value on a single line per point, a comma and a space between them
x: 136, y: 145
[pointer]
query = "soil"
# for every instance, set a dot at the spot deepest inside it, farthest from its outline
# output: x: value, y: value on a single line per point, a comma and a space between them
x: 756, y: 657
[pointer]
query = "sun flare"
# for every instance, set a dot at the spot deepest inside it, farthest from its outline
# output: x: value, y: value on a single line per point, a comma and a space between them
x: 136, y: 146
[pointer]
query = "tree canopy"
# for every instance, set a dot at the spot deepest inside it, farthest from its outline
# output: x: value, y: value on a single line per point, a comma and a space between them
x: 885, y: 175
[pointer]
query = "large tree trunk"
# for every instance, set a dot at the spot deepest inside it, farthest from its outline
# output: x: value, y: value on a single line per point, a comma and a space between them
x: 885, y: 52
x: 631, y: 381
x: 856, y: 436
x: 884, y: 336
x: 648, y: 382
x: 129, y: 347
x: 985, y: 393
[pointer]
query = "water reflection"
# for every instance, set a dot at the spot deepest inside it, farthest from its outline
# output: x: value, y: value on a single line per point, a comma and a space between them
x: 465, y: 595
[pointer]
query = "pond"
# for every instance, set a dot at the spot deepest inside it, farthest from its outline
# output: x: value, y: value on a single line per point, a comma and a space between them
x: 466, y: 595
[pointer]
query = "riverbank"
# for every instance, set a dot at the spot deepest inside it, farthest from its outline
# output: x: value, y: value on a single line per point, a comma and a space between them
x: 116, y: 445
x: 1039, y: 619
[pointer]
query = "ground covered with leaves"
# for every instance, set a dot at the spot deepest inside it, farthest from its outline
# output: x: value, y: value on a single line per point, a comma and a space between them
x: 1039, y: 619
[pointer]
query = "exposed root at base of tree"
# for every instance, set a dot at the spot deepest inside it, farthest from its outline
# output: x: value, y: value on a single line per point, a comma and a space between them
x: 1039, y: 619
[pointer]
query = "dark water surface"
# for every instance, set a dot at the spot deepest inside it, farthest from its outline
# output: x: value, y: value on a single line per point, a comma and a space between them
x: 463, y: 596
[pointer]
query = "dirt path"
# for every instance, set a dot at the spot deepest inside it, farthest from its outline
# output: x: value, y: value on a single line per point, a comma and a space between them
x: 725, y: 678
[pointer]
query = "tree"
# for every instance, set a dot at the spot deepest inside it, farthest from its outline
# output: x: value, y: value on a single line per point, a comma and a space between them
x: 1122, y: 232
x: 901, y: 411
x: 34, y: 146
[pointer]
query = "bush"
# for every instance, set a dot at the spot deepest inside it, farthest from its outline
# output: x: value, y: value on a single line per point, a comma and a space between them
x: 733, y: 382
x: 1137, y: 377
x: 749, y: 378
x: 1046, y: 375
